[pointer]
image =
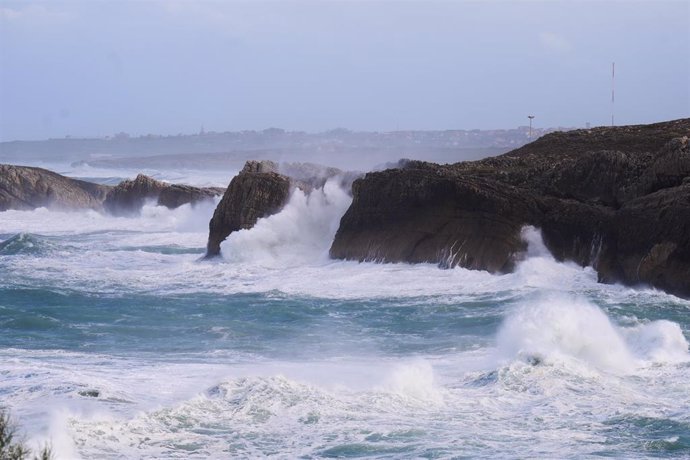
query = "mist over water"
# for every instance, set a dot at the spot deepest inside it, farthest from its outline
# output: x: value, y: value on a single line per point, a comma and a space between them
x: 118, y: 341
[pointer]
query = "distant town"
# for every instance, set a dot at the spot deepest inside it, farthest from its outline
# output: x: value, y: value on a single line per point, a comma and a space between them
x: 338, y: 147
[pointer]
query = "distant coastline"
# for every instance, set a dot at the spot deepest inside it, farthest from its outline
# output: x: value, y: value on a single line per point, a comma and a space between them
x: 208, y: 150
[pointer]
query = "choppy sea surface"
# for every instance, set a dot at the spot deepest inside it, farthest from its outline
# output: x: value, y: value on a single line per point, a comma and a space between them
x: 118, y: 342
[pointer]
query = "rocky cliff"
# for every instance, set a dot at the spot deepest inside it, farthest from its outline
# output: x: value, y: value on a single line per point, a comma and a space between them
x: 616, y: 198
x: 261, y: 189
x: 257, y: 191
x: 25, y: 188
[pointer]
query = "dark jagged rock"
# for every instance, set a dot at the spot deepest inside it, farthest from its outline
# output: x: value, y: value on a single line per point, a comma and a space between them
x: 616, y: 198
x: 420, y: 214
x: 176, y: 195
x: 649, y: 242
x: 261, y: 189
x: 129, y: 196
x: 257, y: 191
x: 26, y: 188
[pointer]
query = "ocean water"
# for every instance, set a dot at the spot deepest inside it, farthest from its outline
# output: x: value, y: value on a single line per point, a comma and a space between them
x: 118, y: 342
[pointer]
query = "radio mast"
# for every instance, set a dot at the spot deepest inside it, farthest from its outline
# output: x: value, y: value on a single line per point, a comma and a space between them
x: 613, y: 88
x: 531, y: 117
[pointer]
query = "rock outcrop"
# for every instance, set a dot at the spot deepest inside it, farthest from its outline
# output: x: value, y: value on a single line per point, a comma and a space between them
x: 261, y: 189
x: 129, y: 196
x: 615, y: 198
x: 26, y: 188
x: 176, y: 195
x: 257, y: 191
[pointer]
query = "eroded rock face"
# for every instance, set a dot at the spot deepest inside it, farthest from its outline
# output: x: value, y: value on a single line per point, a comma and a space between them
x: 176, y: 195
x: 649, y: 242
x: 261, y: 189
x: 616, y: 198
x: 419, y: 214
x: 129, y: 196
x: 257, y: 191
x: 26, y: 188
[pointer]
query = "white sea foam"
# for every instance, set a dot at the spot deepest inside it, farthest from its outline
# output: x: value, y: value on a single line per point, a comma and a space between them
x: 300, y: 233
x: 252, y: 412
x: 160, y: 251
x: 460, y: 401
x: 554, y: 327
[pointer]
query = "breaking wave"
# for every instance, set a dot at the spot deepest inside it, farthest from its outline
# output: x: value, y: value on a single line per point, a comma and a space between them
x: 559, y: 327
x: 301, y: 232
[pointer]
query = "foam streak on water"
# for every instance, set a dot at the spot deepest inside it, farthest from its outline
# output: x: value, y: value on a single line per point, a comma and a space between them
x: 117, y: 341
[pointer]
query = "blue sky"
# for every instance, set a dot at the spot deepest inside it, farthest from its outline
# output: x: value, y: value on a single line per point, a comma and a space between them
x: 96, y: 68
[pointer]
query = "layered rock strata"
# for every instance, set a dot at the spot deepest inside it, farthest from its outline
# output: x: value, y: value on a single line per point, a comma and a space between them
x: 26, y: 188
x: 615, y: 198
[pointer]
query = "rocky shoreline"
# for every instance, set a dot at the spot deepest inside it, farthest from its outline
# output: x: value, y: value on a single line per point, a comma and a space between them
x: 615, y: 198
x: 261, y: 189
x: 27, y: 188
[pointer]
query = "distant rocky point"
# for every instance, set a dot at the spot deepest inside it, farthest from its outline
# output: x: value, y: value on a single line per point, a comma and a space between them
x: 129, y: 196
x: 26, y: 188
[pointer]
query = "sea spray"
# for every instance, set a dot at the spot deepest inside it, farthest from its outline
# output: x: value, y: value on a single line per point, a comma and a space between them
x: 301, y: 232
x: 557, y: 327
x: 290, y: 354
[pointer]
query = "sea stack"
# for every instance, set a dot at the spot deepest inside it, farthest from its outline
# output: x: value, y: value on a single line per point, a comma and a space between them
x: 257, y: 191
x: 262, y: 188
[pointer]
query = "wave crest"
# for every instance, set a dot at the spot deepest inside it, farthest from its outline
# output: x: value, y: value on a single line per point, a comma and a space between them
x: 562, y: 328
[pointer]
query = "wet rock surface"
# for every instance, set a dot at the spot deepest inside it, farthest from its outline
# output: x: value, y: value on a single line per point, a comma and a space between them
x: 261, y: 189
x: 257, y: 191
x: 616, y: 198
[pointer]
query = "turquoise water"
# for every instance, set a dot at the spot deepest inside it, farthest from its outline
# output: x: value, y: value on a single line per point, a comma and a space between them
x: 117, y: 341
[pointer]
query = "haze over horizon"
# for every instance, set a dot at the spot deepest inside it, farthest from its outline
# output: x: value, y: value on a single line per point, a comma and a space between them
x: 91, y: 69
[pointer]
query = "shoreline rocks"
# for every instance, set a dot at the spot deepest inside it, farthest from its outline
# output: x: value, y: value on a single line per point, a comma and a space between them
x: 27, y: 188
x: 262, y: 189
x: 615, y: 198
x: 257, y: 191
x: 129, y: 196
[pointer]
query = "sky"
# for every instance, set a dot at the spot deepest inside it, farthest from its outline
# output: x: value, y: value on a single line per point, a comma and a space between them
x: 95, y: 68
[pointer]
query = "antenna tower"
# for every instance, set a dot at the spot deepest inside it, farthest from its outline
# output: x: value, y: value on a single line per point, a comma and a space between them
x: 613, y: 88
